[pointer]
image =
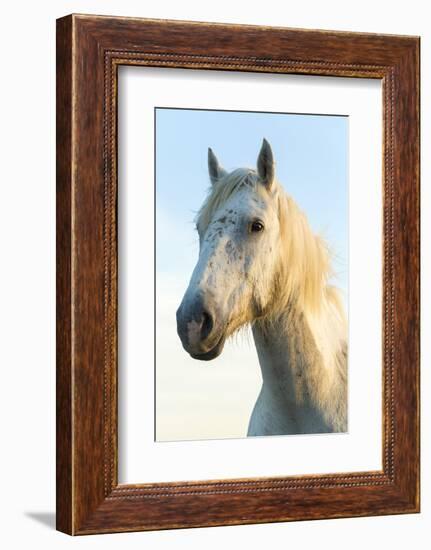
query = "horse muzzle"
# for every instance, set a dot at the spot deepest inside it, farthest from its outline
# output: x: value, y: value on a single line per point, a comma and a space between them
x: 198, y: 326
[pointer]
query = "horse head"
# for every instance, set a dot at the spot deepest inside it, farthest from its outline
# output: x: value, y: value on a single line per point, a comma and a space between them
x: 239, y: 234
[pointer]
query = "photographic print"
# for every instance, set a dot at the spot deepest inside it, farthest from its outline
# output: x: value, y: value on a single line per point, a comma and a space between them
x: 251, y: 246
x: 237, y: 232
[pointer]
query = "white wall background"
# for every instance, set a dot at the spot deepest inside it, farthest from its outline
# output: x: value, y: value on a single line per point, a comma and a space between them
x: 27, y: 239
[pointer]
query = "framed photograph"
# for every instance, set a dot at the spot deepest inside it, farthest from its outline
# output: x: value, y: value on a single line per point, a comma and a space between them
x: 237, y: 274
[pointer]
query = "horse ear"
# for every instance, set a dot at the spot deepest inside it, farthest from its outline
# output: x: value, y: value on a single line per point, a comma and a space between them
x: 265, y: 164
x: 215, y: 170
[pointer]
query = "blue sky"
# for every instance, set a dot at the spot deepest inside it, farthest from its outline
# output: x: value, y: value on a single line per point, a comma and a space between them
x: 311, y: 154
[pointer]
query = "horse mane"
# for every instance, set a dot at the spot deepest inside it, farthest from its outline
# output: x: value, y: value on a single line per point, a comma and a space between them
x: 305, y: 261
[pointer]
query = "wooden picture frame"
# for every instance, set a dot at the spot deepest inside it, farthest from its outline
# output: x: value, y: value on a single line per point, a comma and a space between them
x: 89, y: 51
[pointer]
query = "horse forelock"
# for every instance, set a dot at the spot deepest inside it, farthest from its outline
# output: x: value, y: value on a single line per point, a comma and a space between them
x: 222, y: 190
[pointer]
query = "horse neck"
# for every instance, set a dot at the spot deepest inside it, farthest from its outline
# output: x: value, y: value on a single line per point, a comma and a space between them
x: 303, y: 373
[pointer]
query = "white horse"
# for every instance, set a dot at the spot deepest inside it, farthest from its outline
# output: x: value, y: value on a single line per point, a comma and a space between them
x: 260, y: 264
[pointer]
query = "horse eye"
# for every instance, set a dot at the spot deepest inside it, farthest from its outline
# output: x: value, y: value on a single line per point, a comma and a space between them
x: 256, y: 226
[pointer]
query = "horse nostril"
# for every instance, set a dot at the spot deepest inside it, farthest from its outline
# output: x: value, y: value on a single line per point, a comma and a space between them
x: 207, y: 325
